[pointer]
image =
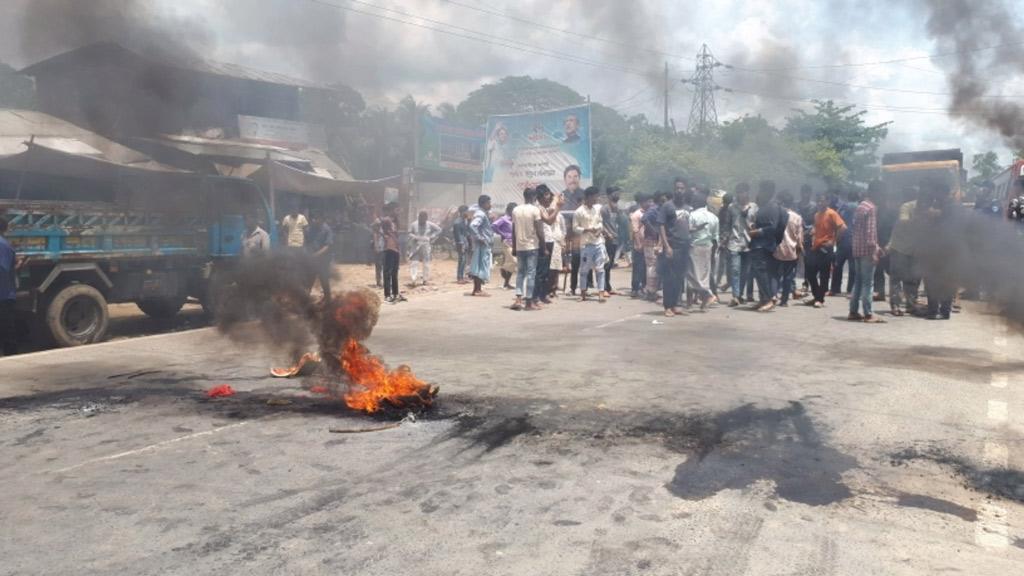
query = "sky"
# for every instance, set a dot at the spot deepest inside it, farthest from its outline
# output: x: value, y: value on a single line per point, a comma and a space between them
x: 776, y: 55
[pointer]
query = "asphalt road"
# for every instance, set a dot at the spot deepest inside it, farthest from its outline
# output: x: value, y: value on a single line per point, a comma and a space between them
x: 586, y: 439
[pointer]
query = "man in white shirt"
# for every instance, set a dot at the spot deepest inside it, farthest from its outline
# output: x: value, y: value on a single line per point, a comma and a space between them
x: 788, y: 251
x: 703, y: 241
x: 527, y: 244
x: 294, y: 225
x: 257, y: 241
x: 422, y: 234
x: 588, y: 225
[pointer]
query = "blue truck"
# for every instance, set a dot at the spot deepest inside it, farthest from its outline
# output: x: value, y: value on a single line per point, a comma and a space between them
x: 154, y: 242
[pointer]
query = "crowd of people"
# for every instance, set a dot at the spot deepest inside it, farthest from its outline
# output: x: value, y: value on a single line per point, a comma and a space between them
x: 688, y: 248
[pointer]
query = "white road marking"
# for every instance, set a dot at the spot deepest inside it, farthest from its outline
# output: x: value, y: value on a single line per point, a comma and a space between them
x: 991, y: 530
x: 999, y: 341
x: 996, y: 455
x: 997, y: 410
x: 149, y: 448
x: 619, y: 321
x: 1000, y: 379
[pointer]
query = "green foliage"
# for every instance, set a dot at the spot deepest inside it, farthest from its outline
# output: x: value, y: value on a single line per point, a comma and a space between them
x: 842, y: 129
x: 985, y: 166
x: 733, y: 133
x: 514, y: 94
x: 830, y: 146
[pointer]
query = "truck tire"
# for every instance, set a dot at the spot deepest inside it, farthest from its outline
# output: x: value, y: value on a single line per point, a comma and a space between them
x: 77, y: 315
x: 161, y: 308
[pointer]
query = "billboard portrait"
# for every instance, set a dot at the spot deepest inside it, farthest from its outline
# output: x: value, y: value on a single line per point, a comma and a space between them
x: 525, y: 150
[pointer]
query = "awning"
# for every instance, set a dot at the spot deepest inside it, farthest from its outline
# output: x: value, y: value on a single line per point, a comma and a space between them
x: 288, y: 179
x: 42, y: 159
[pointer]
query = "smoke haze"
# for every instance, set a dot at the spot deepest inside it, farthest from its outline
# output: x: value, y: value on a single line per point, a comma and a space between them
x: 968, y: 27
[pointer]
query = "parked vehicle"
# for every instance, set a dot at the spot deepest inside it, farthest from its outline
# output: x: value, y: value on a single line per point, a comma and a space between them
x: 154, y: 240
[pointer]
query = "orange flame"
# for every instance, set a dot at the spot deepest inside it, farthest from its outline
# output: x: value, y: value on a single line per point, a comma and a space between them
x: 372, y: 384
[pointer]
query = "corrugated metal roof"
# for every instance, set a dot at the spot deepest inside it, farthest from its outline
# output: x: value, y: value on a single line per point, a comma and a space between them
x: 109, y: 52
x: 18, y: 127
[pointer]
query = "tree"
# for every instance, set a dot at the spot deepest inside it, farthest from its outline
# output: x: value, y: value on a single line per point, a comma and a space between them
x: 447, y: 111
x: 839, y: 132
x: 514, y: 94
x: 985, y: 166
x: 733, y: 133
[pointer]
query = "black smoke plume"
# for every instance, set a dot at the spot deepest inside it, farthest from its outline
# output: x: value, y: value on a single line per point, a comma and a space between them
x: 266, y: 301
x: 970, y: 29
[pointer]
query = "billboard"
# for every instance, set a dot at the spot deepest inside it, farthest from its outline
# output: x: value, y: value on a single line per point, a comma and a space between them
x: 525, y: 150
x: 279, y: 132
x: 445, y: 146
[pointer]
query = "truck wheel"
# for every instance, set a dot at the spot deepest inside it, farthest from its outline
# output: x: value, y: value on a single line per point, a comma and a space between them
x: 77, y: 315
x: 161, y: 308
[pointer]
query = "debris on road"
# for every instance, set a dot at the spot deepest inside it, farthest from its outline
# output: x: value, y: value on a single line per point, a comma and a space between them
x: 220, y: 391
x: 307, y: 363
x: 91, y: 409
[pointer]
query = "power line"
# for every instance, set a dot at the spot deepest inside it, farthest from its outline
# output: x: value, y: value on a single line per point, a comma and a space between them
x: 867, y: 87
x: 634, y: 96
x: 891, y: 61
x: 904, y: 110
x: 504, y: 43
x: 564, y: 31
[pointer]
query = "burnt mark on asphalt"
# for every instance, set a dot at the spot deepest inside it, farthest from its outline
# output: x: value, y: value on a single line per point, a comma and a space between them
x: 937, y: 505
x: 748, y: 444
x: 965, y: 363
x: 1003, y: 482
x: 491, y: 433
x: 725, y: 450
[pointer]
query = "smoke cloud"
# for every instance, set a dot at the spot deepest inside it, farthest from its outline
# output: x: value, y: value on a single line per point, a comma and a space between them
x: 968, y: 27
x: 326, y: 43
x: 266, y: 301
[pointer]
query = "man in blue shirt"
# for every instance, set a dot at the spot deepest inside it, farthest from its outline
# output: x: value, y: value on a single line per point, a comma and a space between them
x: 8, y: 269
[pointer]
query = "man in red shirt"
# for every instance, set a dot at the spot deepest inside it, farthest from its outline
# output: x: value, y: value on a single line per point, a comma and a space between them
x: 828, y: 225
x: 866, y: 253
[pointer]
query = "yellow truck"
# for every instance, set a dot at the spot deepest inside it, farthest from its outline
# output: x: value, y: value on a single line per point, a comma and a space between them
x: 901, y: 170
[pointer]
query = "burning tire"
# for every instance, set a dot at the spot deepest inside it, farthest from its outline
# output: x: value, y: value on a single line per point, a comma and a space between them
x: 77, y: 315
x: 161, y: 308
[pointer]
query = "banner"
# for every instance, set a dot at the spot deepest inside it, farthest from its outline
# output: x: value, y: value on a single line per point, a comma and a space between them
x: 524, y: 150
x: 444, y: 146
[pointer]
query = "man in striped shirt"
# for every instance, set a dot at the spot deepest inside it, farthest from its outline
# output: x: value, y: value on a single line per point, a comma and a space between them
x: 866, y: 253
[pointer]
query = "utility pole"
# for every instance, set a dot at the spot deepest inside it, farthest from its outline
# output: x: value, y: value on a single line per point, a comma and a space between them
x: 703, y: 114
x: 666, y: 98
